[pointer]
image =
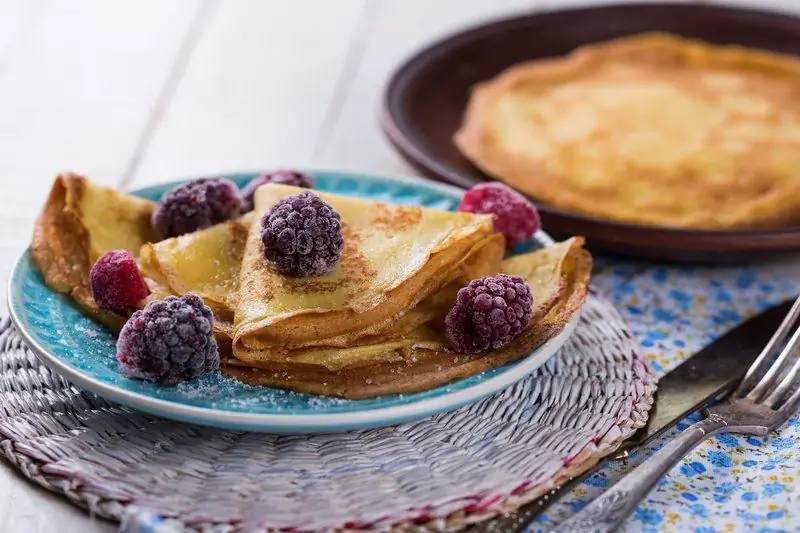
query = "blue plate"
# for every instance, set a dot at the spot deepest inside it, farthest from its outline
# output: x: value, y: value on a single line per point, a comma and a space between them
x: 83, y: 351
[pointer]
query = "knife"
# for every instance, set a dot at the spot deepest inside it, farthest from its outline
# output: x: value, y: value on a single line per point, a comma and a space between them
x: 705, y: 377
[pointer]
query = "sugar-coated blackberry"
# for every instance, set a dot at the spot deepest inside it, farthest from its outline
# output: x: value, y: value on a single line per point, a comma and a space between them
x: 168, y: 341
x: 196, y: 205
x: 488, y: 314
x: 514, y: 216
x: 284, y: 177
x: 117, y: 285
x: 302, y: 235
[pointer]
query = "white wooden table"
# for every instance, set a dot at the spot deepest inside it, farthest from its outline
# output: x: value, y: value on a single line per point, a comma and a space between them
x: 139, y: 92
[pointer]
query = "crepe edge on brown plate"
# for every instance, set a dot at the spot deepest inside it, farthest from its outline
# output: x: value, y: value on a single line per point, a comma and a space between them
x: 528, y: 176
x: 62, y: 247
x: 430, y: 364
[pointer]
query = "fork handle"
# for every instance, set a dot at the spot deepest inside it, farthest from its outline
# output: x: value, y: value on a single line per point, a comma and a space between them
x: 609, y: 511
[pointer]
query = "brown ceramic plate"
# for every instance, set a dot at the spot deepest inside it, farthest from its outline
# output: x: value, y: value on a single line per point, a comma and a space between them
x: 426, y: 97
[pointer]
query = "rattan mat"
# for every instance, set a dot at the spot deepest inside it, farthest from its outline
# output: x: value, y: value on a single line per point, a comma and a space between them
x: 440, y: 473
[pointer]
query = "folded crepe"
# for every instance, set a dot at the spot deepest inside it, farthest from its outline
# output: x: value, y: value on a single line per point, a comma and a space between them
x: 394, y: 258
x: 558, y: 277
x: 372, y: 327
x: 206, y: 263
x: 80, y: 222
x: 402, y: 333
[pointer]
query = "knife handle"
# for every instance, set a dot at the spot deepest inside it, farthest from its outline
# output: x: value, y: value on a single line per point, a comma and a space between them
x: 607, y: 513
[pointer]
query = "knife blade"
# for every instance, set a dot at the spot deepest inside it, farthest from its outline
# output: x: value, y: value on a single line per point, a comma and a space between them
x: 700, y: 380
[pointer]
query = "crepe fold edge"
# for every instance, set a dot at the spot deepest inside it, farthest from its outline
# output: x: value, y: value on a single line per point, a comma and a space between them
x: 487, y: 251
x: 437, y: 367
x: 61, y: 247
x: 304, y: 327
x: 167, y: 276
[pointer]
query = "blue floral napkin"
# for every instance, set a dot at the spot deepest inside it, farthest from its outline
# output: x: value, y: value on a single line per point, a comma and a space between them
x: 731, y: 482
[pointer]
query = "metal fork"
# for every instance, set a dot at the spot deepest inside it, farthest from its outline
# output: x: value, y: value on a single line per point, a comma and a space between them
x: 756, y: 407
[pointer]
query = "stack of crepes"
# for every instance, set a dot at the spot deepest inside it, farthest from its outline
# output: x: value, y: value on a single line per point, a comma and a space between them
x: 373, y: 326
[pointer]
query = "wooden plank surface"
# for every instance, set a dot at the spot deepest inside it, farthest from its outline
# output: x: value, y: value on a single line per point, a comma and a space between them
x: 353, y: 139
x: 256, y: 89
x: 76, y: 94
x: 78, y: 81
x: 27, y: 508
x: 134, y: 93
x: 17, y: 20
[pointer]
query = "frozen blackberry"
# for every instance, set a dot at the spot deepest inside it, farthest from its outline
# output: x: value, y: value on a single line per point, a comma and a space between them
x: 488, y: 314
x: 117, y: 285
x: 514, y: 216
x: 168, y: 341
x: 196, y: 205
x: 302, y: 235
x: 284, y: 177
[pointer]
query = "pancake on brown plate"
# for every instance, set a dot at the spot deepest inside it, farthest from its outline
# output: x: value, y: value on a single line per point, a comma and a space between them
x: 650, y: 129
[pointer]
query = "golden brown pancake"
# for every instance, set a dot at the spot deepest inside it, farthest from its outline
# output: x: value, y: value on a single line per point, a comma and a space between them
x: 559, y: 278
x: 80, y: 222
x: 402, y: 333
x: 394, y: 257
x: 651, y: 129
x: 403, y: 349
x: 207, y: 263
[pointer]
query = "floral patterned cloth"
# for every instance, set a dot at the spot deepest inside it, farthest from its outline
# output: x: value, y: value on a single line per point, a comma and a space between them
x: 731, y: 482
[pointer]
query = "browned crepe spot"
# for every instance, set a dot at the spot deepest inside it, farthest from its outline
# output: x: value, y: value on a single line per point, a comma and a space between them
x: 400, y: 219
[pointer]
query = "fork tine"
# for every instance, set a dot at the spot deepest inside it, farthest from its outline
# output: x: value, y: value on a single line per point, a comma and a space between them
x: 790, y: 406
x: 774, y: 371
x: 784, y: 386
x: 776, y: 340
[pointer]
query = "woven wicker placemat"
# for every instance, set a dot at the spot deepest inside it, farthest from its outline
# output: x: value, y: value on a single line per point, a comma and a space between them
x: 439, y: 473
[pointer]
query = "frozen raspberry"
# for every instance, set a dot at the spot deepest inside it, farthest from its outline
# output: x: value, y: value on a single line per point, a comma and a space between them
x: 168, y: 341
x: 284, y: 177
x: 117, y: 285
x: 302, y: 235
x: 514, y: 216
x: 488, y: 314
x: 196, y: 205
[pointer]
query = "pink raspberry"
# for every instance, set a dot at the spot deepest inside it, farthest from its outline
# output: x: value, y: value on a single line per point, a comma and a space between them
x: 514, y: 216
x: 488, y: 314
x: 117, y: 285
